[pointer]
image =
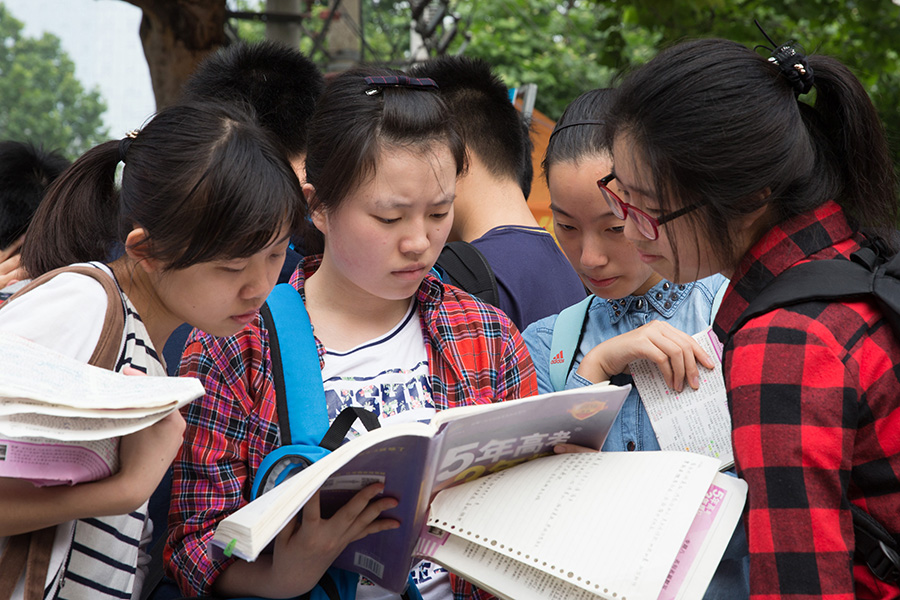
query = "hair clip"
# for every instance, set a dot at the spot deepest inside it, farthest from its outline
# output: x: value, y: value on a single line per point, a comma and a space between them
x: 792, y: 64
x: 378, y: 83
x: 576, y: 123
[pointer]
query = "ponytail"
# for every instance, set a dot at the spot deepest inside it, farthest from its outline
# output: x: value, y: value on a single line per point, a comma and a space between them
x: 847, y: 123
x: 77, y: 219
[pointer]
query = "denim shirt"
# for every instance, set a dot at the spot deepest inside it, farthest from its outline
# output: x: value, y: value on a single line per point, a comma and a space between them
x: 685, y: 306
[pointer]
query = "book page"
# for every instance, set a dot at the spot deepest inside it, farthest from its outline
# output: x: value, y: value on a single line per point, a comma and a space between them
x: 690, y: 420
x: 485, y: 568
x: 71, y: 429
x: 599, y: 521
x: 34, y: 373
x: 246, y: 532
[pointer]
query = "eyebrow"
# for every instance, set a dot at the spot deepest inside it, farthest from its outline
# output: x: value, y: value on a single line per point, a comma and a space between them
x: 390, y: 204
x: 557, y: 209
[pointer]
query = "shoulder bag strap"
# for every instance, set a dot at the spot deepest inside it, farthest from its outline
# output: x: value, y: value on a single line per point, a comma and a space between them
x: 567, y: 332
x: 467, y: 268
x: 29, y: 553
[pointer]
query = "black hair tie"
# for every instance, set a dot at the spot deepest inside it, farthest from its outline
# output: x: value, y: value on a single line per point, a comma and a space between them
x: 125, y: 144
x: 791, y: 63
x: 794, y: 67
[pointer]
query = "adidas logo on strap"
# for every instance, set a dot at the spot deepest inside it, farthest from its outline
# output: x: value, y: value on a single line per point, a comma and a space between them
x: 558, y: 359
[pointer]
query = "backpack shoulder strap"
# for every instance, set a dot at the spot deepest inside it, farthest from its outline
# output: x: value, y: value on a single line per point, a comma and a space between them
x: 463, y: 265
x: 106, y: 352
x: 295, y: 367
x: 567, y: 333
x: 831, y: 280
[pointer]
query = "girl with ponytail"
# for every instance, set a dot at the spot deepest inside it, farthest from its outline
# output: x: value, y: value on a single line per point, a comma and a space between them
x: 732, y: 161
x: 196, y: 233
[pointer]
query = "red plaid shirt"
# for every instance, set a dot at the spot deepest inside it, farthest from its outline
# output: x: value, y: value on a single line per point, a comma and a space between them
x: 814, y: 392
x: 475, y: 356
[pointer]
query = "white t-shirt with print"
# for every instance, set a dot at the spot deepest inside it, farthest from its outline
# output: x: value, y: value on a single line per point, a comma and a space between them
x: 389, y: 377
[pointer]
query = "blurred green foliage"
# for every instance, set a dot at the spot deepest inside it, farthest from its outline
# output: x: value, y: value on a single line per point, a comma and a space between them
x: 42, y: 101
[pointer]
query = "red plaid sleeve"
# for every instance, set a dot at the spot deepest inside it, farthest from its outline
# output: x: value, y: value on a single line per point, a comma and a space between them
x: 228, y: 433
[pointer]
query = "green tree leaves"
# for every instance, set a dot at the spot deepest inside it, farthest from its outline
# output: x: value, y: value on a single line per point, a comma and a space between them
x: 43, y: 103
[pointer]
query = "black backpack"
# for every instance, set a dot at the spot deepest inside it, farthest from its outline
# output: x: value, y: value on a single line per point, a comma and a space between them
x: 872, y: 272
x: 463, y: 265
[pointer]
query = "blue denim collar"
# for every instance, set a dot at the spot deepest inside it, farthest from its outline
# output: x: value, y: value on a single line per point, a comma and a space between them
x: 665, y: 297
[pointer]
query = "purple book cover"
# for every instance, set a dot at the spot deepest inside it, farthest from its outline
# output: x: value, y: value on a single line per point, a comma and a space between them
x: 467, y: 446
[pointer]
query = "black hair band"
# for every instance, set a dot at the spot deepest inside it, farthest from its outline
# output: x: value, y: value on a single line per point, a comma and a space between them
x: 125, y: 144
x: 378, y: 83
x: 559, y: 128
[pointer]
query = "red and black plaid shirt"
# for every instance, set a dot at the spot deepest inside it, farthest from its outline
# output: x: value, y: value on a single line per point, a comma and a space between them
x: 814, y: 393
x: 475, y: 356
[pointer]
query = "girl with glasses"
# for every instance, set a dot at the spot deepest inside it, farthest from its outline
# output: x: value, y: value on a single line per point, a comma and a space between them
x: 766, y: 176
x: 633, y: 312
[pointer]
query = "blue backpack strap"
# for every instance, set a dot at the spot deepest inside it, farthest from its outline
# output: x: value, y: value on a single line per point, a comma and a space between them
x: 564, y: 343
x: 717, y: 300
x: 297, y: 376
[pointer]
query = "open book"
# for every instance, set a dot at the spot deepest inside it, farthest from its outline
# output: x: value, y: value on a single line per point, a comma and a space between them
x: 690, y: 420
x: 60, y: 419
x: 539, y: 511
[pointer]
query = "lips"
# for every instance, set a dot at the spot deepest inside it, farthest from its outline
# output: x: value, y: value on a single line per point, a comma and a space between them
x: 411, y: 272
x: 603, y: 283
x: 246, y: 317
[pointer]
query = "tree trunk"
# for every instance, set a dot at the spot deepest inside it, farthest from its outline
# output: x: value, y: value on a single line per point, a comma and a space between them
x: 176, y: 35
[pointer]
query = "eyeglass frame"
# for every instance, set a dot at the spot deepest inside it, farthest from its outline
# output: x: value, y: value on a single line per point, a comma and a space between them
x: 621, y: 209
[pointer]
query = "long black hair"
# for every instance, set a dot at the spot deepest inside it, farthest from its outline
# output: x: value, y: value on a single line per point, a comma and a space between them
x: 719, y: 124
x: 203, y: 180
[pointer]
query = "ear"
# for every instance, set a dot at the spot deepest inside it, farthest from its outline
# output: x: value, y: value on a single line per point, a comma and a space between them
x: 316, y: 211
x: 137, y: 247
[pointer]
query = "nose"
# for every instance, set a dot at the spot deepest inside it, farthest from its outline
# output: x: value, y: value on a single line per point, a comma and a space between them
x: 593, y: 252
x: 415, y: 241
x: 259, y: 281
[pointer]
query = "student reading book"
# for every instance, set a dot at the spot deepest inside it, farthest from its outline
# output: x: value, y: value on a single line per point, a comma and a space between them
x: 502, y: 497
x: 381, y: 172
x: 633, y: 313
x: 736, y: 161
x: 204, y: 210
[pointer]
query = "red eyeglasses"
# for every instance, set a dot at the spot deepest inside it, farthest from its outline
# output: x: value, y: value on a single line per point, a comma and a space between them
x: 648, y: 226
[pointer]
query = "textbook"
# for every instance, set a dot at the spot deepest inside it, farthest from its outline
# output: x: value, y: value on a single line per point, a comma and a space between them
x: 482, y: 481
x: 690, y: 420
x: 60, y: 419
